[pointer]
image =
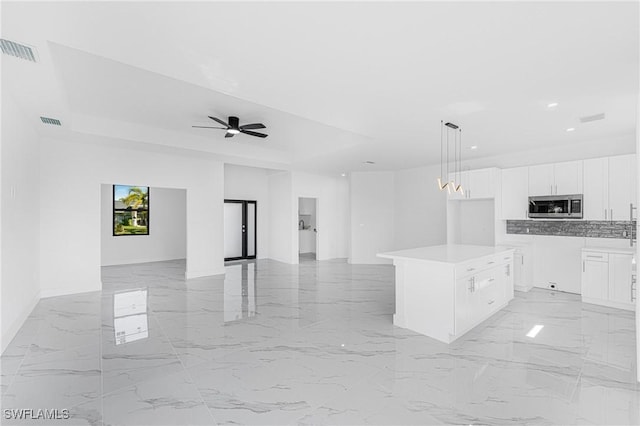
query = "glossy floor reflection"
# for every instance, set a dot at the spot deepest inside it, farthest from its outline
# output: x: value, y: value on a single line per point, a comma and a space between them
x: 311, y: 344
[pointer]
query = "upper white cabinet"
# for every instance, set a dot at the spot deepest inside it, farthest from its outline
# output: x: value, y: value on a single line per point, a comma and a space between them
x: 609, y: 187
x: 515, y: 184
x: 596, y: 189
x: 622, y: 186
x: 568, y: 178
x: 541, y: 180
x: 476, y: 184
x: 556, y: 179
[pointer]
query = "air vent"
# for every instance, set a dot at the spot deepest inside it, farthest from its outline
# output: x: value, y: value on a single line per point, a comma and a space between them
x: 589, y: 118
x: 21, y: 51
x: 51, y: 121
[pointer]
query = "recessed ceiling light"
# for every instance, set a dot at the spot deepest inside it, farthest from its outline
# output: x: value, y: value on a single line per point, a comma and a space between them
x: 535, y: 330
x: 571, y: 129
x: 552, y: 105
x: 473, y: 147
x: 343, y: 175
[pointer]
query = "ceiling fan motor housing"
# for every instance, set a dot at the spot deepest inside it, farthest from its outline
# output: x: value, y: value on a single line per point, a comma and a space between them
x: 234, y: 122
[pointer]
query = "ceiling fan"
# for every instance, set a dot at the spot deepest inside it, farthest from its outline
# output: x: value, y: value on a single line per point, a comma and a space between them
x: 233, y: 127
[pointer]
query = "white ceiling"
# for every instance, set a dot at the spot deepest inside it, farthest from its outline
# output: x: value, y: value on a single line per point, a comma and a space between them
x: 336, y: 83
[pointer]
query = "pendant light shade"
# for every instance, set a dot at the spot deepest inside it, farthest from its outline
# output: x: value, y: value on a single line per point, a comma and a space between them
x: 450, y: 158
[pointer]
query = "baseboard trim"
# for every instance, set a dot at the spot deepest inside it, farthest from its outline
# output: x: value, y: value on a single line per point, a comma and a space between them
x: 190, y: 274
x: 53, y: 292
x: 8, y: 336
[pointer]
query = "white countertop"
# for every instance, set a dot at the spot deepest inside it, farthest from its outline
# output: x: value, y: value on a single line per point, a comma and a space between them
x: 448, y: 253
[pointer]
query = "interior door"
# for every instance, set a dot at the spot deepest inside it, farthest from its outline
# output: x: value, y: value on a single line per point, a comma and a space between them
x: 240, y: 223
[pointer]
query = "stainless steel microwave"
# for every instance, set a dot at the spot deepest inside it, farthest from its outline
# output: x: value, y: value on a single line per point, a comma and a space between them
x: 556, y: 206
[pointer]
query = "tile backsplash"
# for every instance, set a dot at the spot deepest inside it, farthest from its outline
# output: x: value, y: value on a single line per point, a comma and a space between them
x: 574, y: 228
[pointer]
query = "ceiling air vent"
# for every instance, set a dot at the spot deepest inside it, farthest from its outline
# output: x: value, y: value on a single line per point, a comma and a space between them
x: 52, y: 121
x: 589, y: 118
x: 21, y: 51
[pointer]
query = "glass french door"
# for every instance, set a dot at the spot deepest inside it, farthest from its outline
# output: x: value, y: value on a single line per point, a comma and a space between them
x: 240, y: 222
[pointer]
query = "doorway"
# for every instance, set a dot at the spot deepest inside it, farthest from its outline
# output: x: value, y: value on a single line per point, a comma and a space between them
x: 240, y: 223
x: 307, y: 229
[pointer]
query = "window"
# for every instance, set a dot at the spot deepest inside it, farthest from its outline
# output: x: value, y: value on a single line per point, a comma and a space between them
x: 130, y: 210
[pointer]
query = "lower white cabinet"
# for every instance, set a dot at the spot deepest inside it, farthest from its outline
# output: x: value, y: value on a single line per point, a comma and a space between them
x: 484, y: 292
x: 608, y: 279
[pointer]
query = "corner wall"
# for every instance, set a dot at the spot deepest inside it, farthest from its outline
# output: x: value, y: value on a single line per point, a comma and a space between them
x: 420, y: 209
x: 281, y: 218
x: 71, y: 177
x: 332, y: 212
x: 20, y: 221
x: 167, y: 237
x: 372, y: 212
x: 251, y: 183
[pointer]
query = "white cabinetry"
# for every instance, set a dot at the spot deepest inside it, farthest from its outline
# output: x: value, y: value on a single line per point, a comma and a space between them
x: 622, y: 186
x: 477, y: 184
x: 596, y: 189
x: 608, y: 278
x: 523, y: 269
x: 444, y: 291
x: 609, y: 187
x: 515, y: 184
x: 556, y: 179
x: 557, y: 263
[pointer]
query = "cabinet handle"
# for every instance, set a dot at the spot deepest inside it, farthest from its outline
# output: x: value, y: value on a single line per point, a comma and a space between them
x: 556, y: 189
x: 471, y: 269
x: 595, y: 257
x: 605, y: 214
x: 583, y: 266
x: 611, y: 214
x: 551, y: 189
x: 492, y: 262
x: 522, y: 260
x: 491, y: 302
x: 491, y: 279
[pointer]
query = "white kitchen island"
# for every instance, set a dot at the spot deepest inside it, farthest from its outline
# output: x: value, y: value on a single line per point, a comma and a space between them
x: 445, y: 291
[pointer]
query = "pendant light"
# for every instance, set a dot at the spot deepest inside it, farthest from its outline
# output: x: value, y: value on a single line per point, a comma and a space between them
x: 450, y: 158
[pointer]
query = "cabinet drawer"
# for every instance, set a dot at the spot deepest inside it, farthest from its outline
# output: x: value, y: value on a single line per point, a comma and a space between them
x: 475, y: 266
x: 595, y: 256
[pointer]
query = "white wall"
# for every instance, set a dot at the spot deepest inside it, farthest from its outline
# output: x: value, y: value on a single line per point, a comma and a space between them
x: 282, y: 231
x: 19, y: 272
x: 167, y: 237
x: 70, y: 238
x: 372, y: 216
x: 251, y: 183
x: 332, y: 212
x: 420, y: 210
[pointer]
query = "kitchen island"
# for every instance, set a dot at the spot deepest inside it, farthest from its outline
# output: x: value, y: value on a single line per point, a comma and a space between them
x: 444, y: 291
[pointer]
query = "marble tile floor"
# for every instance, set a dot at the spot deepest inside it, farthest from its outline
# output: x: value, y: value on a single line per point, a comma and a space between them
x: 310, y: 344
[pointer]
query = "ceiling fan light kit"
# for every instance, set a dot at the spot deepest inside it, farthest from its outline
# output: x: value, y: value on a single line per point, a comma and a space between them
x: 233, y: 127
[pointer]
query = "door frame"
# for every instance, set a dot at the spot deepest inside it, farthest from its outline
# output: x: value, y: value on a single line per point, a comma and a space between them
x: 245, y: 203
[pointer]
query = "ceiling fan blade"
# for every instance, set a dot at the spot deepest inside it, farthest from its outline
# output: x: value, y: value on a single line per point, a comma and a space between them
x: 248, y: 132
x: 252, y: 126
x: 228, y: 135
x: 226, y: 126
x: 209, y: 127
